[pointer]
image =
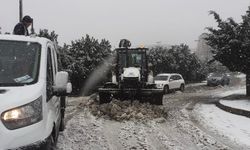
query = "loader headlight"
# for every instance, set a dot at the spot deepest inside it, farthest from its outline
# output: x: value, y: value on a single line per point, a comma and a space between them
x: 23, y: 116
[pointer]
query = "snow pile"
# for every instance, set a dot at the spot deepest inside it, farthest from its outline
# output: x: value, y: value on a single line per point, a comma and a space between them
x: 229, y: 125
x: 124, y: 110
x: 239, y: 104
x: 201, y: 88
x: 240, y: 91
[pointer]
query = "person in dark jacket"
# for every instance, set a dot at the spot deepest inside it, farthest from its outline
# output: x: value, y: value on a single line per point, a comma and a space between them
x: 22, y: 27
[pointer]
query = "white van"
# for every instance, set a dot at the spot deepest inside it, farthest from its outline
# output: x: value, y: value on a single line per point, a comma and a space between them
x: 32, y: 93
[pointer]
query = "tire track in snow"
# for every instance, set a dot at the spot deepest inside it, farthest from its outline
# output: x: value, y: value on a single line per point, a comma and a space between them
x: 83, y: 132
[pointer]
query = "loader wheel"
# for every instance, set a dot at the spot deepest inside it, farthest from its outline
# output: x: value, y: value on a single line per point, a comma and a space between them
x: 157, y: 99
x: 104, y: 98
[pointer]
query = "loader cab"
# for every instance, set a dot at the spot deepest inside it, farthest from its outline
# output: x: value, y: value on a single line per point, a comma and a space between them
x: 32, y: 93
x: 132, y: 58
x: 131, y: 77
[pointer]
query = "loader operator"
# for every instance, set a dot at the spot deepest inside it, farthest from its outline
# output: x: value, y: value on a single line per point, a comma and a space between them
x: 22, y: 27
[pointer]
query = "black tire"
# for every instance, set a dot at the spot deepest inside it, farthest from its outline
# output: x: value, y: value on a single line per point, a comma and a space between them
x: 63, y: 107
x: 104, y: 97
x: 62, y: 124
x: 51, y: 143
x: 182, y: 88
x: 156, y: 99
x: 166, y: 89
x: 223, y: 83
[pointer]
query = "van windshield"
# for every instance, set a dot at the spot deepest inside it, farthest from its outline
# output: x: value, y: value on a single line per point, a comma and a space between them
x: 19, y: 62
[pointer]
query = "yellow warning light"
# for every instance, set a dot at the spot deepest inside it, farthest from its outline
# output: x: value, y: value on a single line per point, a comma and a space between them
x: 141, y: 46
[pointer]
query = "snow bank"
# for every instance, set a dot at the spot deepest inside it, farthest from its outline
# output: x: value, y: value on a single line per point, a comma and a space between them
x: 241, y: 90
x: 239, y: 104
x: 124, y: 110
x: 232, y: 126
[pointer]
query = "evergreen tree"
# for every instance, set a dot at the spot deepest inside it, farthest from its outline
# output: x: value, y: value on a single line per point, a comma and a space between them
x: 49, y: 35
x: 177, y: 59
x: 230, y: 44
x: 85, y: 55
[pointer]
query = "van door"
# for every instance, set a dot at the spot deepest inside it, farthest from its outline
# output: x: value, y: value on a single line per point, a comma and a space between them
x: 53, y: 101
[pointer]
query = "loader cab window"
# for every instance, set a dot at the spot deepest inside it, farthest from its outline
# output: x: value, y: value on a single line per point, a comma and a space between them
x: 135, y: 60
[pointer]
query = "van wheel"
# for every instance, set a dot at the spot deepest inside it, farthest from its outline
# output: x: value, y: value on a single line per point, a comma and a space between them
x: 62, y: 125
x: 51, y: 143
x: 63, y: 106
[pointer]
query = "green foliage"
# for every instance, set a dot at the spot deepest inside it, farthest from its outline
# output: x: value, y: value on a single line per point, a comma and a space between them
x: 49, y: 35
x: 177, y: 59
x: 231, y: 42
x: 209, y: 67
x: 82, y: 57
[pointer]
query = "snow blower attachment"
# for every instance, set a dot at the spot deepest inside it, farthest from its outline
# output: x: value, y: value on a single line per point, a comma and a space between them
x: 131, y: 77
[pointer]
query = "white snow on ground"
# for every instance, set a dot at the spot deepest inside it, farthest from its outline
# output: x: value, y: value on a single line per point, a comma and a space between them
x: 229, y: 125
x: 242, y: 75
x: 239, y: 104
x: 241, y: 90
x: 196, y: 84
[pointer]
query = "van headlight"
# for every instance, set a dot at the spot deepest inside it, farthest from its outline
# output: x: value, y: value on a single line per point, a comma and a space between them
x: 23, y: 116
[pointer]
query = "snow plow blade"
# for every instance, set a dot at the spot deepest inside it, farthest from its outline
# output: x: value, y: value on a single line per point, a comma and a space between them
x: 153, y: 96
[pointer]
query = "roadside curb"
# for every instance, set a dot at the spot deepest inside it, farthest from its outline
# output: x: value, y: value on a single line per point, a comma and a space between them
x: 232, y: 110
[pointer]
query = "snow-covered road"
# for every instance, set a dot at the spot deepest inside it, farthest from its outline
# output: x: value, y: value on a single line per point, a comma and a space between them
x: 181, y: 129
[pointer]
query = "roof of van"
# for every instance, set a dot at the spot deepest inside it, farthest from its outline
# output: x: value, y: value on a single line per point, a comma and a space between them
x: 24, y: 38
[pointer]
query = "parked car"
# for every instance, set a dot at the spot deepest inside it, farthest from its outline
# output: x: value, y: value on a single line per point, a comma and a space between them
x: 169, y: 82
x: 32, y: 93
x: 215, y: 79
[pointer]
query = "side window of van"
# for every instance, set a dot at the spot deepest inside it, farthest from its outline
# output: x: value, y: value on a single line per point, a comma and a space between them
x: 53, y: 55
x: 50, y: 78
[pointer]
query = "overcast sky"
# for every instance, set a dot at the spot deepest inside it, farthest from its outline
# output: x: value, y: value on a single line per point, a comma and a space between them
x: 141, y: 21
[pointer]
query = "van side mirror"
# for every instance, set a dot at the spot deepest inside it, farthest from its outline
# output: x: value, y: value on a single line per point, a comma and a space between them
x: 62, y: 86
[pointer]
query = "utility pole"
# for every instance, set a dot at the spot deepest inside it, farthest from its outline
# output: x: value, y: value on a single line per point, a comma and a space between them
x: 20, y: 10
x: 21, y: 16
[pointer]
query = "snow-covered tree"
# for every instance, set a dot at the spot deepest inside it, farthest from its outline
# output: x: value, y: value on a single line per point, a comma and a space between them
x: 177, y: 59
x: 230, y: 44
x: 50, y: 35
x: 85, y: 55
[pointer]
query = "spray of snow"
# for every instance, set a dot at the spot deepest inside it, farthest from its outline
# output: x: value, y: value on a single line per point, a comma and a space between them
x: 97, y: 75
